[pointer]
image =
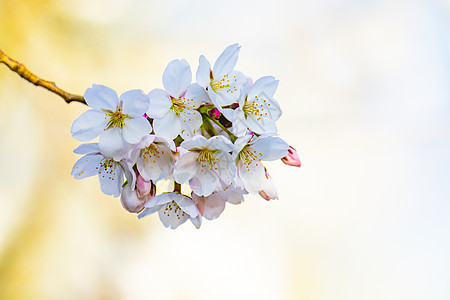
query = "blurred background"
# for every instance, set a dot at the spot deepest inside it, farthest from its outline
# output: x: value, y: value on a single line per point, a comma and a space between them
x: 365, y: 88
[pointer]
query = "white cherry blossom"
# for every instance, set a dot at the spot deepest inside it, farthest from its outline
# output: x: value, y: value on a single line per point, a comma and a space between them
x: 249, y: 152
x: 110, y: 172
x: 257, y: 109
x: 222, y: 82
x: 118, y: 121
x: 174, y: 209
x: 206, y: 162
x: 153, y: 157
x: 174, y: 109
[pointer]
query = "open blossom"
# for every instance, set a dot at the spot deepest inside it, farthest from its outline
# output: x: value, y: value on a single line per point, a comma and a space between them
x: 118, y: 121
x: 250, y: 152
x: 110, y: 172
x: 257, y: 109
x: 153, y: 157
x: 207, y: 161
x: 222, y: 82
x: 174, y: 209
x: 174, y: 109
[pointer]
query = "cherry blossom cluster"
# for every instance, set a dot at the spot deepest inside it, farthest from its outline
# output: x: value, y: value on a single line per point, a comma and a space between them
x: 213, y: 135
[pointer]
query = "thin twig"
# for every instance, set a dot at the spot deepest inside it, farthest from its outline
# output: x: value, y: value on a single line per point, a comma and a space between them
x: 26, y: 74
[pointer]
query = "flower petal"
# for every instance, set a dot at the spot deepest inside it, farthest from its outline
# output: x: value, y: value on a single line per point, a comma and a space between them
x: 112, y: 144
x: 190, y: 123
x: 148, y: 167
x: 148, y: 211
x: 186, y: 204
x: 110, y: 177
x: 168, y: 127
x: 134, y: 103
x: 86, y: 166
x: 196, y: 96
x: 170, y: 217
x: 226, y: 62
x: 271, y: 148
x: 186, y: 167
x: 204, y: 183
x: 196, y: 142
x: 203, y: 72
x: 252, y: 175
x: 89, y: 125
x: 177, y: 77
x: 101, y: 97
x: 212, y: 205
x: 266, y: 85
x: 135, y: 129
x: 262, y: 126
x: 89, y: 148
x: 160, y: 103
x: 239, y: 123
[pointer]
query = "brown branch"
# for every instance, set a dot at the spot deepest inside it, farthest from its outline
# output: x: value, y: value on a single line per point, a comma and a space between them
x: 26, y: 74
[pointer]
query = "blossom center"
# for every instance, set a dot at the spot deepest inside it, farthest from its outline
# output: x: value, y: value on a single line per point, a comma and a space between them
x: 178, y: 105
x: 152, y: 152
x: 173, y: 208
x: 251, y: 108
x: 248, y: 155
x: 207, y: 156
x: 117, y: 118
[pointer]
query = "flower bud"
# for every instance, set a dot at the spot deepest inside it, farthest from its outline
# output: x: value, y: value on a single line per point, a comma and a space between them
x: 143, y: 187
x: 214, y: 113
x: 292, y: 158
x: 130, y: 201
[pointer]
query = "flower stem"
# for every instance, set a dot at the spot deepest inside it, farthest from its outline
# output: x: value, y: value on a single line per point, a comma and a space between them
x: 176, y: 187
x: 232, y: 136
x: 26, y: 74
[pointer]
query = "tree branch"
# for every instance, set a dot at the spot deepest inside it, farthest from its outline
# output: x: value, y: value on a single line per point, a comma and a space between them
x: 26, y: 74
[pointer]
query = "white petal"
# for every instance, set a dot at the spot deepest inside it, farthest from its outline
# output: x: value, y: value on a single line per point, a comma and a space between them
x: 203, y: 72
x: 172, y: 217
x: 186, y: 167
x: 135, y: 129
x: 86, y: 166
x: 160, y: 103
x: 187, y: 205
x: 111, y: 178
x: 111, y: 144
x: 220, y: 142
x: 272, y: 148
x: 197, y: 221
x: 196, y: 96
x: 241, y: 142
x: 148, y: 211
x: 134, y: 103
x: 190, y: 124
x: 266, y: 85
x: 239, y: 127
x: 89, y: 125
x: 130, y: 201
x: 261, y: 126
x: 168, y: 127
x: 226, y: 169
x: 196, y: 142
x: 159, y: 200
x: 204, y: 183
x: 212, y: 206
x: 228, y: 113
x: 89, y: 148
x: 177, y: 77
x: 224, y: 98
x: 101, y: 97
x: 252, y: 176
x: 226, y: 61
x: 148, y: 167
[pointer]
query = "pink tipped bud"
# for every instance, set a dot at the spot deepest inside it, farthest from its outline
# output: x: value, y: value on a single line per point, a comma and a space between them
x: 214, y: 113
x: 292, y: 158
x: 130, y: 200
x: 143, y: 187
x: 269, y: 191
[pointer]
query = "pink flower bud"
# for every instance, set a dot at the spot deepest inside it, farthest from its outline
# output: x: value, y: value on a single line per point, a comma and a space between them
x: 143, y: 187
x: 214, y: 113
x: 130, y: 201
x: 292, y: 158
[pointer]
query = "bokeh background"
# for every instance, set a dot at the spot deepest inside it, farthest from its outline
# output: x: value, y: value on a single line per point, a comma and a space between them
x: 364, y: 86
